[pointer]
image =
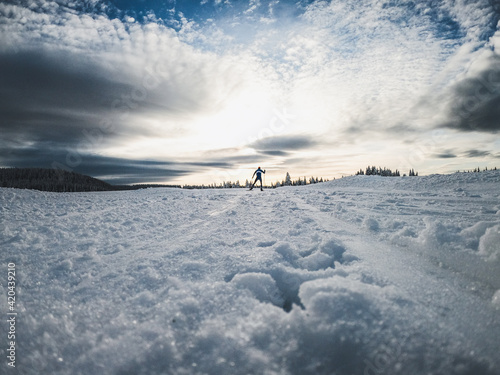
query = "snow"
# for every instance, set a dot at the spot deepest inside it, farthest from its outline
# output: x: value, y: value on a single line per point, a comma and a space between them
x: 362, y: 275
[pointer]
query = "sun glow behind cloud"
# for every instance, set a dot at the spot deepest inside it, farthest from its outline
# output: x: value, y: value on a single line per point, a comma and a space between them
x: 209, y: 83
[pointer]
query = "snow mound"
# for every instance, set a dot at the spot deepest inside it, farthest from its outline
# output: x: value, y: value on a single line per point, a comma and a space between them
x: 317, y: 261
x: 439, y: 234
x: 473, y: 234
x: 261, y: 285
x: 489, y: 243
x: 371, y: 224
x: 334, y: 248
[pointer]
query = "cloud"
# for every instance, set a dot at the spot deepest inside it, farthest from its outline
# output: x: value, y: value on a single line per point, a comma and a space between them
x: 475, y: 100
x: 446, y: 155
x: 111, y: 169
x: 477, y: 153
x: 275, y: 153
x: 373, y: 62
x: 465, y: 95
x: 284, y: 143
x: 42, y: 99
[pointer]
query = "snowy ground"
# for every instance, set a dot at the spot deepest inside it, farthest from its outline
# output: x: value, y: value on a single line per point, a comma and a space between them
x: 363, y: 275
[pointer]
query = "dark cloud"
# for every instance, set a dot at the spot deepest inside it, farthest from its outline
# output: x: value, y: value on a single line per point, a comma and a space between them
x: 228, y: 157
x: 111, y: 169
x: 62, y: 108
x: 59, y: 96
x: 477, y: 153
x: 48, y: 99
x: 476, y: 101
x: 275, y: 153
x: 283, y: 143
x: 446, y: 155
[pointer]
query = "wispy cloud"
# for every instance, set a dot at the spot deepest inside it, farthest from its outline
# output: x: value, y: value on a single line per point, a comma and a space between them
x: 286, y: 143
x: 477, y: 153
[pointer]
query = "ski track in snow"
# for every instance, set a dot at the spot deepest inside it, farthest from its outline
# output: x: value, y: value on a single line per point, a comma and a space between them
x: 363, y: 275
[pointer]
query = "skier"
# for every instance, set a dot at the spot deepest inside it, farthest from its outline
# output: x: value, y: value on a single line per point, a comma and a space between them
x: 258, y: 178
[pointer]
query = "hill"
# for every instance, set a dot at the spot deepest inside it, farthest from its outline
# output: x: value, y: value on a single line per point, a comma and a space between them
x: 56, y: 180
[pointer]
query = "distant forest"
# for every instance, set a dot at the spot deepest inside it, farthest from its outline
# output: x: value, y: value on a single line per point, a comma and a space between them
x: 59, y: 180
x: 385, y: 172
x: 288, y: 181
x: 374, y: 171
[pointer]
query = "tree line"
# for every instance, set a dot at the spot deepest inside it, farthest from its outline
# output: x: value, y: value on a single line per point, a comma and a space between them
x: 287, y: 181
x: 59, y: 180
x: 477, y: 170
x: 385, y: 172
x: 378, y: 171
x: 56, y: 180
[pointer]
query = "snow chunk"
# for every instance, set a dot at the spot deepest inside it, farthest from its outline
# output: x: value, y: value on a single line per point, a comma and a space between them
x: 337, y: 251
x: 496, y: 299
x: 62, y: 268
x: 371, y: 224
x: 261, y: 285
x: 489, y: 243
x: 329, y: 252
x: 343, y: 328
x: 438, y: 233
x: 403, y: 236
x: 145, y: 299
x: 194, y: 270
x: 340, y: 298
x: 286, y: 251
x: 334, y: 248
x: 317, y: 261
x: 473, y: 234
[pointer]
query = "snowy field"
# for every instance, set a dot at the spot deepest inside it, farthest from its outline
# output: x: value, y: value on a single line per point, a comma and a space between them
x: 363, y: 275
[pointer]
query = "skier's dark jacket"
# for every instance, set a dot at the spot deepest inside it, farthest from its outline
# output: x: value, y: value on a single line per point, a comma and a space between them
x: 259, y: 172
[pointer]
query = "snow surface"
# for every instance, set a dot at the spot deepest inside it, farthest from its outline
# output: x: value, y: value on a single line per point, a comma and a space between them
x: 363, y: 275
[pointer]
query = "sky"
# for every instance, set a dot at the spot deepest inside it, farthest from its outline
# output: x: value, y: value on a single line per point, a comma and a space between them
x: 201, y: 92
